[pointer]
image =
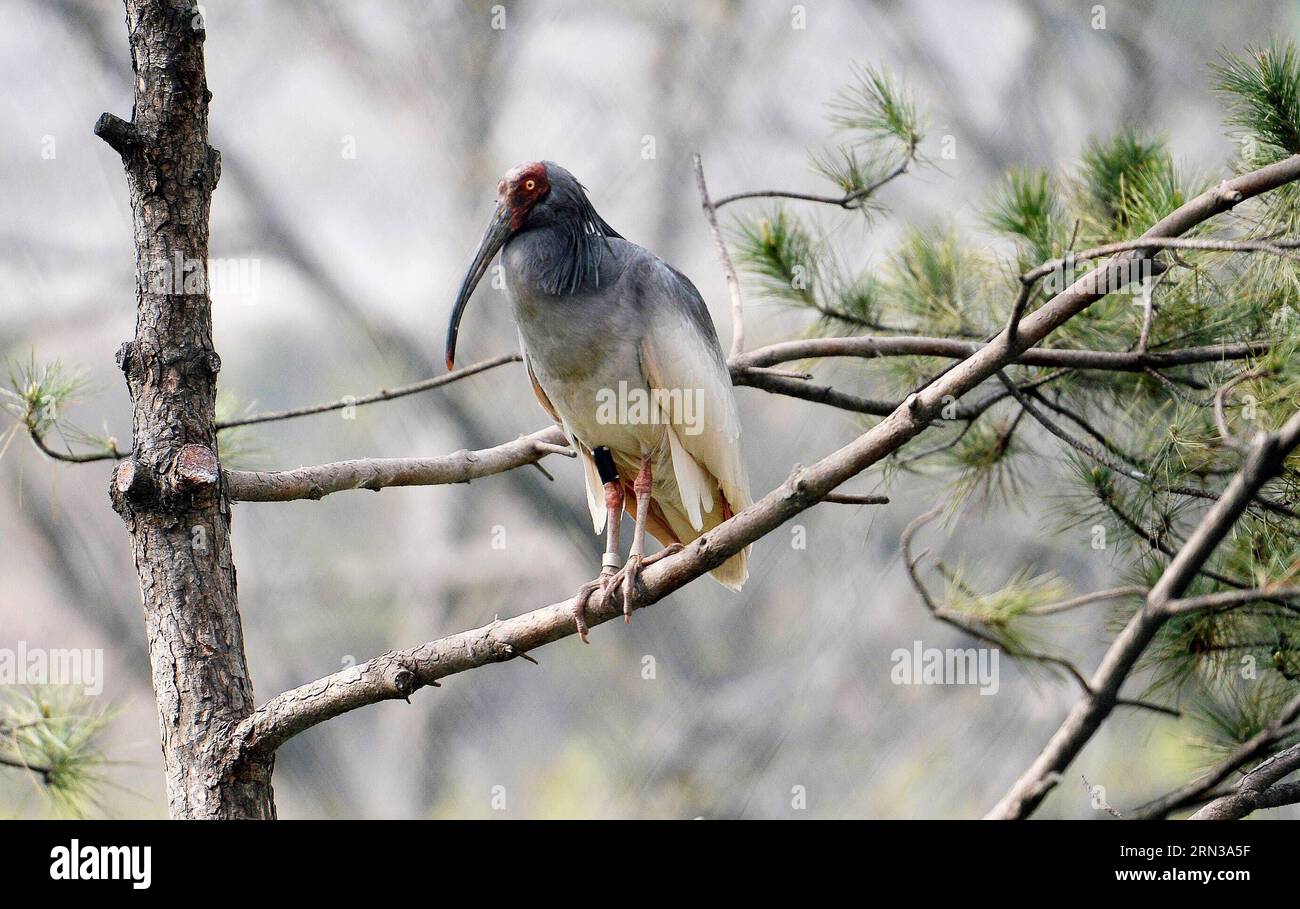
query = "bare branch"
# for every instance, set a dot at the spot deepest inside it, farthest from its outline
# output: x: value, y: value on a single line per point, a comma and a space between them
x: 786, y: 373
x: 120, y: 135
x: 776, y: 383
x: 1279, y: 795
x: 1087, y: 599
x: 868, y: 347
x: 383, y: 394
x: 846, y: 499
x: 38, y: 769
x: 766, y: 380
x: 1018, y: 309
x: 1176, y: 389
x: 378, y: 473
x: 1148, y: 311
x: 851, y: 200
x: 729, y: 270
x: 1220, y: 419
x: 110, y: 453
x: 1283, y: 247
x: 910, y: 562
x: 1230, y: 599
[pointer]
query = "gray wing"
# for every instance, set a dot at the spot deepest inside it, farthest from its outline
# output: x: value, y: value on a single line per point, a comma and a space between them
x: 690, y: 300
x: 680, y: 352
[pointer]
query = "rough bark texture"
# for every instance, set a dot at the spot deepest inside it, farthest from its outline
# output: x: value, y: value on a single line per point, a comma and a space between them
x: 169, y: 491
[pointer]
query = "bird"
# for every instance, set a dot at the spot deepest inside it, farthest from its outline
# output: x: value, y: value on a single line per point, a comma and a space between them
x: 623, y: 355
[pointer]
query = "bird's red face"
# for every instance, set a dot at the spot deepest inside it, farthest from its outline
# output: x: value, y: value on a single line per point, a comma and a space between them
x: 517, y: 193
x: 521, y: 189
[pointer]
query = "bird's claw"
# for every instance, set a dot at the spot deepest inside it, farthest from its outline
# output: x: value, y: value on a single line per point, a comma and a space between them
x: 630, y: 575
x: 622, y: 583
x: 580, y: 601
x: 584, y: 595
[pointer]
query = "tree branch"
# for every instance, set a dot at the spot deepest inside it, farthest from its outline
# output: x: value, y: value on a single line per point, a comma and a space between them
x: 1103, y: 457
x: 1253, y: 749
x: 1230, y: 599
x: 1220, y: 418
x: 754, y: 370
x: 729, y: 270
x: 1263, y: 463
x: 1283, y: 247
x: 110, y: 453
x: 43, y: 771
x: 850, y: 200
x: 1087, y: 599
x: 376, y: 473
x: 963, y: 623
x: 846, y: 499
x: 383, y: 394
x: 1257, y: 789
x: 868, y: 346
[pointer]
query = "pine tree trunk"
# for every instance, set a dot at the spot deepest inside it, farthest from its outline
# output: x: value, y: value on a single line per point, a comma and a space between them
x: 169, y: 492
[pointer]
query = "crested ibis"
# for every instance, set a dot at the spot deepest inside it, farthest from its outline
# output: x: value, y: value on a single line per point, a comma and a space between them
x: 622, y: 353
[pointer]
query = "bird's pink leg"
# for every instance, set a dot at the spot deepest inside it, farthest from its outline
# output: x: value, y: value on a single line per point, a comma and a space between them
x: 613, y: 522
x: 608, y: 564
x: 636, y: 557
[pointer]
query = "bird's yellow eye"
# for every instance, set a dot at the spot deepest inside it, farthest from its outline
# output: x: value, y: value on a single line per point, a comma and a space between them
x: 530, y: 185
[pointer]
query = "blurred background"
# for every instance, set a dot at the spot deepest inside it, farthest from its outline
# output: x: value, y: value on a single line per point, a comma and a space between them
x: 361, y: 145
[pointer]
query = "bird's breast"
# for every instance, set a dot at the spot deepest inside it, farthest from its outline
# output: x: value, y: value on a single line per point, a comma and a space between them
x: 585, y: 354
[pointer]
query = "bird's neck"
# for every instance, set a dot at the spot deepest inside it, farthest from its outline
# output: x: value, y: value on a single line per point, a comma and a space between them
x: 560, y: 258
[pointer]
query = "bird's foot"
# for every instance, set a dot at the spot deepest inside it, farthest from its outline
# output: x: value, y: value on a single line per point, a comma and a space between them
x: 670, y: 549
x: 629, y: 576
x: 588, y: 590
x: 626, y: 579
x: 621, y: 583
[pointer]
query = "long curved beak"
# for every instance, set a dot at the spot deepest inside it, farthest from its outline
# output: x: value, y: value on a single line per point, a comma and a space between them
x: 498, y: 231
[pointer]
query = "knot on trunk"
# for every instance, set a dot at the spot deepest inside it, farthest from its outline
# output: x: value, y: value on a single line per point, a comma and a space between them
x: 132, y: 484
x: 136, y: 483
x: 127, y: 359
x: 195, y: 468
x: 120, y: 135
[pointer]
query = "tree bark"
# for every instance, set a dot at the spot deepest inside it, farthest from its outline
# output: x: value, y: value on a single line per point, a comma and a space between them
x: 169, y: 493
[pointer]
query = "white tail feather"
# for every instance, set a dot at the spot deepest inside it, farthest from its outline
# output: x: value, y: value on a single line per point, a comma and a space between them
x: 595, y: 489
x: 693, y: 485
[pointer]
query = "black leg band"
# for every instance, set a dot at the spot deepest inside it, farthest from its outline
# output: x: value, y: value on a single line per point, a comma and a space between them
x: 605, y: 465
